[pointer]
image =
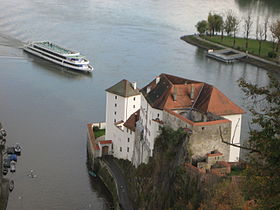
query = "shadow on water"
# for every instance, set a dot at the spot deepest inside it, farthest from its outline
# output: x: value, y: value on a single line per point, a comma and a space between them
x: 57, y: 69
x: 101, y: 190
x: 263, y: 6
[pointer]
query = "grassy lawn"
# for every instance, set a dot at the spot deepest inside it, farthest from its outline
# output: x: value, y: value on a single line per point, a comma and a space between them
x: 202, y: 43
x: 253, y: 45
x: 99, y: 133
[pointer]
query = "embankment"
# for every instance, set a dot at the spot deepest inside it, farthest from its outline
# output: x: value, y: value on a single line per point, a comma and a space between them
x: 106, y: 176
x: 254, y: 60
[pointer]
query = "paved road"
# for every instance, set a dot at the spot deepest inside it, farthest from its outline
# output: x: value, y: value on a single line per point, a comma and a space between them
x: 125, y: 202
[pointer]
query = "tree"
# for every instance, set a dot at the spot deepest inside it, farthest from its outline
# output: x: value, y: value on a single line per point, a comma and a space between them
x: 266, y: 22
x: 263, y: 173
x: 248, y: 27
x: 275, y: 31
x: 202, y: 26
x: 218, y: 22
x: 261, y: 34
x: 257, y: 27
x: 229, y: 22
x: 215, y: 23
x: 235, y: 26
x: 211, y: 23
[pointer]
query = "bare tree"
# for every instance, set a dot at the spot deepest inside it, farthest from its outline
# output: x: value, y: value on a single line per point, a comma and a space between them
x: 257, y: 27
x: 275, y: 31
x: 266, y: 22
x: 235, y: 27
x: 261, y: 34
x: 248, y: 27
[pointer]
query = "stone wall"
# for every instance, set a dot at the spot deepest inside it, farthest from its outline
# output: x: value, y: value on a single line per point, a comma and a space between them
x: 205, y: 136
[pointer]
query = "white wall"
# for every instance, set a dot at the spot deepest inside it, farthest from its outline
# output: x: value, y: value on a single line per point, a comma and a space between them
x: 151, y: 128
x: 125, y: 107
x: 119, y: 108
x: 235, y: 135
x: 123, y: 149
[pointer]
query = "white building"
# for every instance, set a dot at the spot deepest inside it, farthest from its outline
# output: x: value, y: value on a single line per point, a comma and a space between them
x: 198, y: 107
x: 122, y: 104
x: 170, y: 94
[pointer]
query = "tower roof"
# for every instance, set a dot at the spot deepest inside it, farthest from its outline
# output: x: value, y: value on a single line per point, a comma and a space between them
x: 123, y: 88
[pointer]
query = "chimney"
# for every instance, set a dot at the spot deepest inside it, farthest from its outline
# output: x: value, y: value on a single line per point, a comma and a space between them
x: 192, y: 92
x: 157, y: 79
x: 175, y: 94
x: 134, y: 85
x: 148, y: 89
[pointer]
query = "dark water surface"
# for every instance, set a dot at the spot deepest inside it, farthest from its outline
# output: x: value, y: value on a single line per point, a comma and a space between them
x: 46, y: 108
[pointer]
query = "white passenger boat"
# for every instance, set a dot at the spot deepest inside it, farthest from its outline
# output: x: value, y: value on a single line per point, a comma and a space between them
x: 59, y: 55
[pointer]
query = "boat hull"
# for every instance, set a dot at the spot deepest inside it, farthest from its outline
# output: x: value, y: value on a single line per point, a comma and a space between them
x: 59, y: 62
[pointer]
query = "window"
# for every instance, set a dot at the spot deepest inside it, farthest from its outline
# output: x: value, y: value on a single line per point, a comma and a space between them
x: 115, y: 105
x: 120, y: 149
x: 158, y: 115
x: 134, y: 98
x: 133, y: 106
x: 127, y: 149
x: 127, y: 139
x: 127, y: 130
x: 130, y: 132
x: 115, y: 113
x: 116, y: 97
x: 115, y: 120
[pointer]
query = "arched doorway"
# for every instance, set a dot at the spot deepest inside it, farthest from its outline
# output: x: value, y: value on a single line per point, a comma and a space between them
x: 105, y: 150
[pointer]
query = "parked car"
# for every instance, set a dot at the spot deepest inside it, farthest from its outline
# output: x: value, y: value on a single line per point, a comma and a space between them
x: 10, y: 150
x: 13, y: 166
x: 17, y: 149
x: 13, y: 157
x: 5, y: 171
x: 7, y: 162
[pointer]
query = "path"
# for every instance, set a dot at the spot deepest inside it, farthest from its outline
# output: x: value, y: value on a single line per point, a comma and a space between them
x: 249, y: 55
x: 124, y: 200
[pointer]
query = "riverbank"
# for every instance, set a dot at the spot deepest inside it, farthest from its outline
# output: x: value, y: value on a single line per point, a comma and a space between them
x: 251, y: 59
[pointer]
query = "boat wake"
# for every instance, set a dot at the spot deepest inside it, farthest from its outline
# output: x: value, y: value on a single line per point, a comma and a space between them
x: 6, y: 40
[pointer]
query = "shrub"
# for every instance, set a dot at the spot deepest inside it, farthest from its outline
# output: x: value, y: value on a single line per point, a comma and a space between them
x: 272, y: 54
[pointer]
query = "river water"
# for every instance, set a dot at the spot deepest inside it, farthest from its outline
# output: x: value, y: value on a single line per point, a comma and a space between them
x: 46, y: 108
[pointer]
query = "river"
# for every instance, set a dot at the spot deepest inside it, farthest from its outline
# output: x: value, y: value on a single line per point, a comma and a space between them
x: 46, y: 108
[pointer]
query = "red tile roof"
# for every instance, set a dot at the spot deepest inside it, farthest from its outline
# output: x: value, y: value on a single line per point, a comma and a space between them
x: 131, y: 121
x: 214, y: 154
x: 105, y: 142
x: 206, y: 98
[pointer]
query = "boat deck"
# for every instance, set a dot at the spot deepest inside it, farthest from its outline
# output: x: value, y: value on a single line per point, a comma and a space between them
x: 56, y: 48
